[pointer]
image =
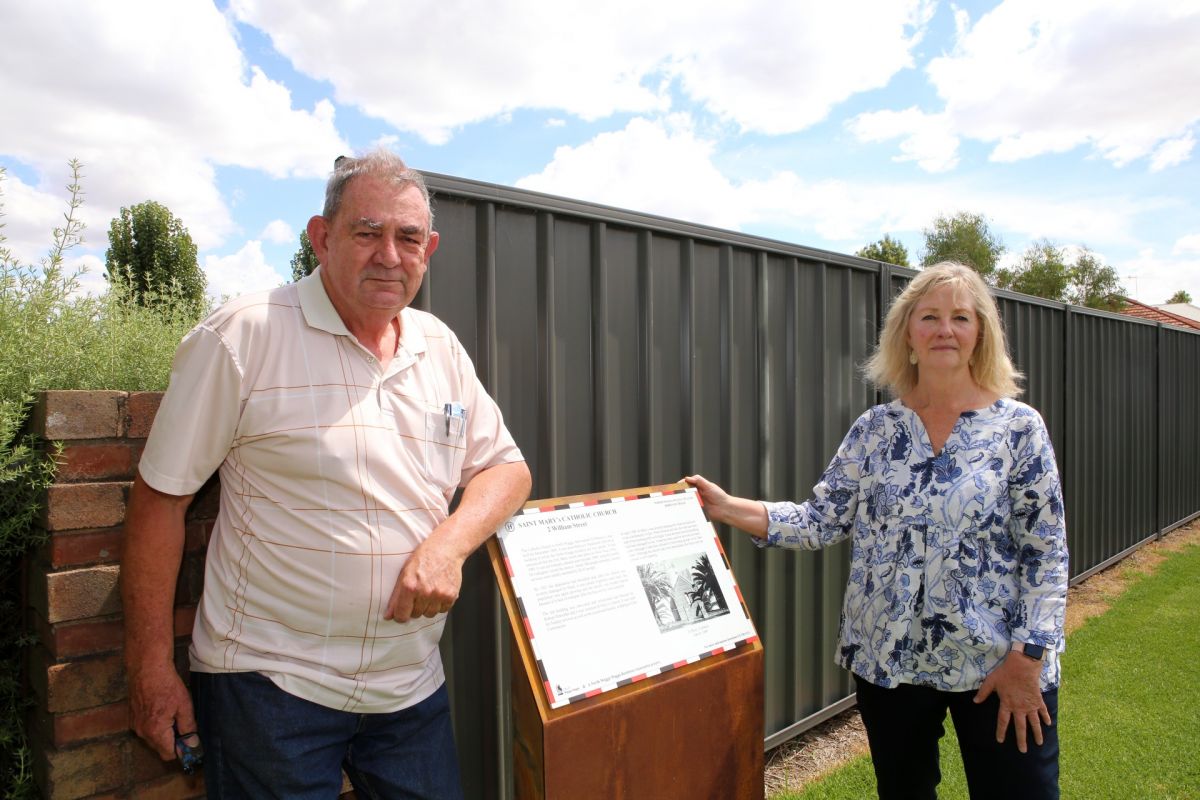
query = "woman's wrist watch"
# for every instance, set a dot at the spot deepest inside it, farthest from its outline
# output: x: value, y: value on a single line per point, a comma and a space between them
x: 1034, y: 651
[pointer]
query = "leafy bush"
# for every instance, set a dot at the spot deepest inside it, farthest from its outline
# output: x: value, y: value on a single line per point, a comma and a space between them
x: 56, y: 338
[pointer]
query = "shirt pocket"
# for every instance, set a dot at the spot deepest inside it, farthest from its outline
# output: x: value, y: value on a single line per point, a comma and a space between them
x: 445, y: 448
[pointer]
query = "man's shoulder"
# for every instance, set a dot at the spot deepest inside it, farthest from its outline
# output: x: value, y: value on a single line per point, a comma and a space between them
x: 253, y: 310
x: 435, y: 331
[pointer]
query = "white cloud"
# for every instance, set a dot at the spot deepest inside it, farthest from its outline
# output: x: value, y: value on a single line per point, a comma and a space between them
x: 244, y: 271
x: 1172, y: 152
x: 1187, y: 245
x: 927, y: 138
x: 1150, y: 278
x: 278, y: 232
x: 30, y: 216
x: 151, y: 97
x: 89, y: 274
x: 655, y: 166
x: 764, y: 66
x: 1036, y: 77
x: 666, y: 168
x: 781, y: 67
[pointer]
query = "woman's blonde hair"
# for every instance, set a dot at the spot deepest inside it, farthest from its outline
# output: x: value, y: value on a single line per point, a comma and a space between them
x: 991, y: 367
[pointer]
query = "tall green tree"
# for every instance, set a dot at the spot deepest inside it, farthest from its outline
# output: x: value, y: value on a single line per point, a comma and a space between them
x: 1180, y: 297
x: 151, y: 253
x: 305, y: 260
x: 1095, y: 284
x: 963, y: 237
x: 1046, y: 271
x: 887, y: 250
x: 1042, y: 272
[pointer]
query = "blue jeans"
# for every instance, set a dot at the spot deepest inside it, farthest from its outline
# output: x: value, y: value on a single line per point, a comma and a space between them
x: 261, y: 742
x: 904, y: 725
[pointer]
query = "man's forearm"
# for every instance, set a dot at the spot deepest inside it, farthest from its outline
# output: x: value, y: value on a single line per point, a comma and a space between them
x: 431, y: 578
x: 150, y: 559
x: 491, y: 497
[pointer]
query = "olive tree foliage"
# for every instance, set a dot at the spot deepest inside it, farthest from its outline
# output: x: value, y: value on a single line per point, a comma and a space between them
x: 963, y: 237
x: 152, y: 254
x: 53, y: 336
x: 1180, y: 297
x: 1095, y: 284
x: 1041, y: 272
x: 1045, y: 270
x: 305, y: 260
x: 887, y: 250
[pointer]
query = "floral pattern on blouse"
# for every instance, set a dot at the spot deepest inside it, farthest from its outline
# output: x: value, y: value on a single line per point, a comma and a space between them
x: 954, y: 555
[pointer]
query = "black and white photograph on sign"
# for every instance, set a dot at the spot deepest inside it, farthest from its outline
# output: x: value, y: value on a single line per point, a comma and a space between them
x: 682, y: 590
x: 613, y: 591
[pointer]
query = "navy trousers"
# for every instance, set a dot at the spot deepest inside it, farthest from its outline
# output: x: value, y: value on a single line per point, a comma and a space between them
x: 261, y: 742
x: 904, y: 725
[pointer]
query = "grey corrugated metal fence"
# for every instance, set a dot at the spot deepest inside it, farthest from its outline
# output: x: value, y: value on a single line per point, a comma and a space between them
x: 629, y: 350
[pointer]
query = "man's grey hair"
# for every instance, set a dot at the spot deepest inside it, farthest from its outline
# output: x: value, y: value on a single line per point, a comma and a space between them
x: 380, y: 163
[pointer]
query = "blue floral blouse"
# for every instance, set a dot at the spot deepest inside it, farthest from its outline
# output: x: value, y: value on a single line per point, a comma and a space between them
x: 955, y: 555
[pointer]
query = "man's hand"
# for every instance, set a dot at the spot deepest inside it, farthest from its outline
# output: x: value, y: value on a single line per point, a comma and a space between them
x: 428, y: 584
x: 159, y: 704
x: 430, y: 580
x: 1016, y: 682
x: 150, y: 561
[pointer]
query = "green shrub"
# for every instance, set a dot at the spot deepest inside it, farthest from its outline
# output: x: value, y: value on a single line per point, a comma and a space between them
x: 56, y: 338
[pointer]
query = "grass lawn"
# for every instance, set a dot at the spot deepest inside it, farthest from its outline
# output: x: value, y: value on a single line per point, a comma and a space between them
x: 1129, y: 715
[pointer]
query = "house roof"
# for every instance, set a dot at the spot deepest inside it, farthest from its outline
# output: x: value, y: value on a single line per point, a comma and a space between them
x: 1135, y: 309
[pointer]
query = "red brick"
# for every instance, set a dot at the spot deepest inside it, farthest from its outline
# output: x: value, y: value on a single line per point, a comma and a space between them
x: 75, y: 772
x: 140, y: 408
x: 95, y: 461
x: 77, y: 415
x: 176, y: 786
x: 93, y: 723
x: 72, y: 506
x: 88, y: 637
x: 85, y: 547
x: 77, y: 593
x: 84, y: 683
x: 145, y: 764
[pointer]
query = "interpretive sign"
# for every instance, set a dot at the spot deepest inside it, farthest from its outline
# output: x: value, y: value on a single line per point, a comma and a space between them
x: 612, y: 590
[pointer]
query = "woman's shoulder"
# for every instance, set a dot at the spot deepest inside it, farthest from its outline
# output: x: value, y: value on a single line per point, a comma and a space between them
x: 1018, y: 413
x: 878, y: 419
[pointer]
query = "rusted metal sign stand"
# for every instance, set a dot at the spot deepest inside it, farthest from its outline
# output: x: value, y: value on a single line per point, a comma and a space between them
x: 693, y: 732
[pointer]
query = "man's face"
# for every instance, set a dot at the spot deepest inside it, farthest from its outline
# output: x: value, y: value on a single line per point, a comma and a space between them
x: 375, y: 250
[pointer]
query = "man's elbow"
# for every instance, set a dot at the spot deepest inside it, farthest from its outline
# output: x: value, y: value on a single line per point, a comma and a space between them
x: 522, y: 481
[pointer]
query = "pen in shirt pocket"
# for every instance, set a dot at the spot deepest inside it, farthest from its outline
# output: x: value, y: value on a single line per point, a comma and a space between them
x: 454, y: 411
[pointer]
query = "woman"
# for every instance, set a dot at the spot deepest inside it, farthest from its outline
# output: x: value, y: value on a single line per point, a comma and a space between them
x: 958, y: 579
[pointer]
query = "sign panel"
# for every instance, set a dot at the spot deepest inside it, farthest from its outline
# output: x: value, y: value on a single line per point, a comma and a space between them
x: 613, y: 590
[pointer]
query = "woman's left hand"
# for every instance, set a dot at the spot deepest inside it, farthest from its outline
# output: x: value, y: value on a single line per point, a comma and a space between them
x: 1017, y: 683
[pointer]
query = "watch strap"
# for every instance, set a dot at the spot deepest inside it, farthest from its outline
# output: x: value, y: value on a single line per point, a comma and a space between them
x: 1034, y: 651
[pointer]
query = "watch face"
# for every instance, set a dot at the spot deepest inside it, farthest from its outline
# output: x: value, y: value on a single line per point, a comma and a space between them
x: 1035, y: 651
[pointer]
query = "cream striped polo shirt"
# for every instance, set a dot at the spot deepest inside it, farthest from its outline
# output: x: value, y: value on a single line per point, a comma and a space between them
x: 332, y: 471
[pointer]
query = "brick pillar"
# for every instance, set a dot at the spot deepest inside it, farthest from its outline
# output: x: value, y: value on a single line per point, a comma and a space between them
x: 80, y: 736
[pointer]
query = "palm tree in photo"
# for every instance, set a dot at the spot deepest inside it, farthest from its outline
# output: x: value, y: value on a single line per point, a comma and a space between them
x: 658, y: 592
x: 705, y: 587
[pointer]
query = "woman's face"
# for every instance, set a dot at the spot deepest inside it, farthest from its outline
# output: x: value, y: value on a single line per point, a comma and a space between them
x: 943, y: 330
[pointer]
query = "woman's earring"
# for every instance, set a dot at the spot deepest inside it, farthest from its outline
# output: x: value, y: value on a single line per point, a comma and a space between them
x: 912, y: 356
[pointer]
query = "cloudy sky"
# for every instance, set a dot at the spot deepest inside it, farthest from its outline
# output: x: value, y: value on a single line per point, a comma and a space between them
x: 821, y: 124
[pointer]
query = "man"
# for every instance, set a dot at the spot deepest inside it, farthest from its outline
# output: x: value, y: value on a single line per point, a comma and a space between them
x: 341, y: 421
